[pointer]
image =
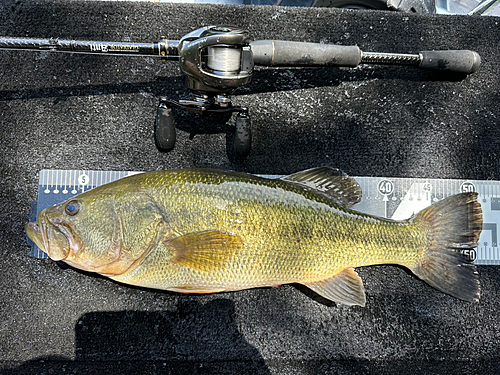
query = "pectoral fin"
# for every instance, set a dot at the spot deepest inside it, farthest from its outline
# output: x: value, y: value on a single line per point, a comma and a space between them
x: 205, y: 251
x: 345, y: 287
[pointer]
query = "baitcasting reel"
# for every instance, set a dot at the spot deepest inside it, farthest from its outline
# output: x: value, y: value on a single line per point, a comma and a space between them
x: 217, y: 60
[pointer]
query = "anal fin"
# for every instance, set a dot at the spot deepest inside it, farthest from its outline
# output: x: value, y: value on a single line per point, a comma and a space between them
x: 199, y: 290
x: 345, y: 287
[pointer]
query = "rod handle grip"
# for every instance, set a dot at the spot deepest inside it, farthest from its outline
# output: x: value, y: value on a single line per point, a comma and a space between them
x: 458, y: 61
x: 287, y: 53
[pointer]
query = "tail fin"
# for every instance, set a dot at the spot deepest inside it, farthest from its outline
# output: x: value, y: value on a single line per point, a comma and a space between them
x: 452, y: 225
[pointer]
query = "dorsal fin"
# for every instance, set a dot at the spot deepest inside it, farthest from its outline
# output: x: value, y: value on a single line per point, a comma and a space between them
x: 332, y: 182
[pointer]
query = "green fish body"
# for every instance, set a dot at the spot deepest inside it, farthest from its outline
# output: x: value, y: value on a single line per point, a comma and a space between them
x: 205, y: 231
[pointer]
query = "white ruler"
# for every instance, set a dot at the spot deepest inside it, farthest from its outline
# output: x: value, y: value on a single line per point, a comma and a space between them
x: 395, y: 198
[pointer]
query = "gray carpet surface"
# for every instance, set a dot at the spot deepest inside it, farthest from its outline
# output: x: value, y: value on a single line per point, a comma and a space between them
x: 66, y: 111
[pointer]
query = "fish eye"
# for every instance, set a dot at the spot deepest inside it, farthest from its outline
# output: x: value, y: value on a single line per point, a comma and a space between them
x: 72, y: 208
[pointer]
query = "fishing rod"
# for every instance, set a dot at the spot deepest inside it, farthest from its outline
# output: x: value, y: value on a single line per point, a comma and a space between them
x: 217, y: 60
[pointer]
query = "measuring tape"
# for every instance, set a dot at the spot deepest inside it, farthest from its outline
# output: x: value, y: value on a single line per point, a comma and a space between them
x: 393, y: 198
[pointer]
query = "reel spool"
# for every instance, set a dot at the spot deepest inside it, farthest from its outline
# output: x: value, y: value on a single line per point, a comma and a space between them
x: 216, y: 59
x: 223, y: 59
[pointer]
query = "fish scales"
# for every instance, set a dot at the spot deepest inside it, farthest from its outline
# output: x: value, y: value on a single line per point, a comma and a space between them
x: 289, y: 234
x: 204, y: 231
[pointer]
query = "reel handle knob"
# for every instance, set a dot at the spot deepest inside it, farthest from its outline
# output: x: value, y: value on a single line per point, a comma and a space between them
x: 164, y: 130
x: 242, y: 135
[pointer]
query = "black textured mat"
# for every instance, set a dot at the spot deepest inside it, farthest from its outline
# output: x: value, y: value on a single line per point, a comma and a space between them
x: 67, y: 111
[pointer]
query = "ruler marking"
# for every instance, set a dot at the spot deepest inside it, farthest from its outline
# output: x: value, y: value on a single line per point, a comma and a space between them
x: 56, y: 188
x: 82, y: 180
x: 65, y: 178
x: 72, y: 181
x: 54, y: 182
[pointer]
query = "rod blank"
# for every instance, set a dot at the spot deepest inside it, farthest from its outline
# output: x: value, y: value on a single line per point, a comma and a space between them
x: 166, y: 49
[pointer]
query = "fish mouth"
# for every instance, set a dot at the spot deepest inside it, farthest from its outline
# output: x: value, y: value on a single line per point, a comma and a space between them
x: 35, y: 235
x: 49, y: 237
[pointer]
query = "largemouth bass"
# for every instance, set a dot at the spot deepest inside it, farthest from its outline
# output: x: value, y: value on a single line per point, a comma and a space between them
x: 206, y: 231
